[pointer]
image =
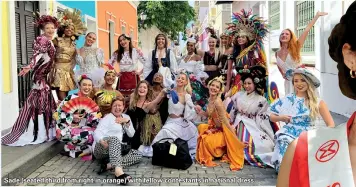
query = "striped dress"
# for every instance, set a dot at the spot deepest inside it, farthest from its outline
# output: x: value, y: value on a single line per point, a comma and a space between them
x: 34, y: 124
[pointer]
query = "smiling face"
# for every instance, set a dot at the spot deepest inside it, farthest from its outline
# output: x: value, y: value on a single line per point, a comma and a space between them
x: 110, y: 78
x: 161, y: 42
x: 242, y: 40
x: 212, y: 43
x: 90, y: 39
x: 285, y: 36
x: 124, y: 42
x: 48, y: 30
x: 224, y: 40
x: 182, y: 80
x: 117, y: 107
x: 300, y: 84
x: 142, y: 89
x: 86, y: 87
x: 214, y: 88
x: 69, y: 31
x: 249, y: 85
x: 190, y: 47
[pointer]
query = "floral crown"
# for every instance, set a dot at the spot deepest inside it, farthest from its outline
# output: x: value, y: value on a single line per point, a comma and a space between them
x: 41, y: 21
x: 68, y: 18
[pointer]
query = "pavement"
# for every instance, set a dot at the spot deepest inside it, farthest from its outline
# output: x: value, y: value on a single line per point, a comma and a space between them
x: 79, y: 173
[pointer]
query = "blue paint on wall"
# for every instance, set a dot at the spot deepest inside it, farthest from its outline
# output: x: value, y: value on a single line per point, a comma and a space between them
x: 86, y: 7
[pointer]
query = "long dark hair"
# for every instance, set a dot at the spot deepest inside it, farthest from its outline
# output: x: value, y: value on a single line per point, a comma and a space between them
x: 237, y: 47
x: 120, y: 51
x: 344, y: 32
x: 165, y: 38
x: 60, y: 32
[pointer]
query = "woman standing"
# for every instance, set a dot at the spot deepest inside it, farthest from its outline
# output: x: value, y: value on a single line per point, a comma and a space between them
x: 71, y: 27
x: 128, y: 58
x: 225, y: 66
x: 211, y: 59
x: 161, y: 56
x: 90, y: 59
x: 105, y: 95
x: 288, y: 57
x: 300, y: 167
x: 300, y: 111
x: 34, y: 124
x: 217, y: 139
x: 249, y: 116
x: 108, y: 141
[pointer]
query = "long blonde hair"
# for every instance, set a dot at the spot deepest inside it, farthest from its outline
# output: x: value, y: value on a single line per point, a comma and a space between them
x: 311, y: 100
x: 188, y: 87
x: 293, y: 46
x: 134, y: 96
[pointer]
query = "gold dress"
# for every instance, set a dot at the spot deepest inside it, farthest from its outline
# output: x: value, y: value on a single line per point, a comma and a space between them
x: 104, y: 99
x: 63, y: 74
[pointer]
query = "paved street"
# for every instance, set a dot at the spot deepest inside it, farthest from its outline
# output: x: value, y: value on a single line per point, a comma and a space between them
x: 61, y: 167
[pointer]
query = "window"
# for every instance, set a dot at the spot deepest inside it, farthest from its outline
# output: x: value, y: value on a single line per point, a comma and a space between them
x: 274, y: 12
x: 123, y: 29
x: 111, y: 37
x: 305, y: 13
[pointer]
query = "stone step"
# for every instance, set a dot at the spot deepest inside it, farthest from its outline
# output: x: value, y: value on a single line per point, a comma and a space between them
x: 20, y: 162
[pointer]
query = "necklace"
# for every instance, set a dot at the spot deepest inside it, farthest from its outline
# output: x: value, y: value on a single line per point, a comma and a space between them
x: 190, y: 56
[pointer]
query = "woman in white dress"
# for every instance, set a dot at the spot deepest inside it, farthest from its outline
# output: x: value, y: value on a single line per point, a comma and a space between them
x: 181, y: 111
x: 128, y: 59
x: 90, y: 59
x: 250, y: 119
x: 194, y: 67
x: 288, y: 57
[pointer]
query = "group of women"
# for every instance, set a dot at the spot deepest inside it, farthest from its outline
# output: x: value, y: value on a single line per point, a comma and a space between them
x: 226, y: 86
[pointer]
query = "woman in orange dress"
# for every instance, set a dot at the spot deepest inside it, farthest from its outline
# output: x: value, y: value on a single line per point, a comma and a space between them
x: 218, y: 139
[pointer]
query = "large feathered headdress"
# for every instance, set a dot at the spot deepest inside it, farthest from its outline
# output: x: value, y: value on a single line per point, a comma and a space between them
x: 68, y: 18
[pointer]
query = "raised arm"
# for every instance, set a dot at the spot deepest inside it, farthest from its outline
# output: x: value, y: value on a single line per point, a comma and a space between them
x: 100, y: 56
x: 304, y: 35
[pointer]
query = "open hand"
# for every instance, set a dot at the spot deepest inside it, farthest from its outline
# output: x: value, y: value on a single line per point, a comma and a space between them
x: 285, y: 118
x: 24, y: 71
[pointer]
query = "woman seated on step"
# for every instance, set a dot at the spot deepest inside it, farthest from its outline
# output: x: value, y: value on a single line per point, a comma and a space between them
x: 108, y: 141
x: 76, y: 128
x: 181, y: 112
x: 218, y: 139
x: 250, y: 119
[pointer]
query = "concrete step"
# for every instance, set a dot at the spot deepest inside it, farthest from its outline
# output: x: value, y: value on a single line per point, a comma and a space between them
x: 20, y: 162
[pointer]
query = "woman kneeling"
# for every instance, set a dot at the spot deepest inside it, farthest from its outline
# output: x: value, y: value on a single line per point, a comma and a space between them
x: 108, y: 138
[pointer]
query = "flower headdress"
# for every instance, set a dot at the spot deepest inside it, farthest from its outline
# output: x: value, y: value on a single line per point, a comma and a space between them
x: 41, y: 21
x: 81, y: 77
x: 68, y: 18
x: 219, y: 79
x: 254, y: 28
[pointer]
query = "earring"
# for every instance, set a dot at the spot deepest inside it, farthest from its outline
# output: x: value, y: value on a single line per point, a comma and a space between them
x: 353, y: 74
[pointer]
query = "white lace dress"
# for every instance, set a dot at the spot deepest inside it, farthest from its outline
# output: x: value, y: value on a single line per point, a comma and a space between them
x: 284, y: 66
x: 90, y: 65
x: 193, y: 67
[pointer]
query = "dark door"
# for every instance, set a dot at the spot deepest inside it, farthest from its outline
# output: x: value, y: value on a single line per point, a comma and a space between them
x: 25, y: 35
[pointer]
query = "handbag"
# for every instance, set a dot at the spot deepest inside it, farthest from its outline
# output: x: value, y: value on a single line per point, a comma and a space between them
x: 162, y: 154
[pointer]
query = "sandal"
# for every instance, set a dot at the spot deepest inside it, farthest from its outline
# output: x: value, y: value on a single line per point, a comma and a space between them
x: 124, y: 178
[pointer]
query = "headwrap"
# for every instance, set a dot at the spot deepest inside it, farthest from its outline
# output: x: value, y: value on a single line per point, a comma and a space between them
x: 41, y: 21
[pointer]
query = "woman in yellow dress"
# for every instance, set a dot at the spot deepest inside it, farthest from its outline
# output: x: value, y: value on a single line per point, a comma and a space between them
x: 218, y: 139
x: 105, y: 95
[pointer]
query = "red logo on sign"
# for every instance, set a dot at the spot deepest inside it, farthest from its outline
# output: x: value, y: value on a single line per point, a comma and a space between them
x: 327, y: 151
x: 336, y: 184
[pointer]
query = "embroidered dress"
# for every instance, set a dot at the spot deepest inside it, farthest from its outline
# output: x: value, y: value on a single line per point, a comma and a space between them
x: 78, y: 138
x: 128, y: 66
x: 300, y: 121
x: 253, y: 127
x: 34, y: 124
x: 90, y: 65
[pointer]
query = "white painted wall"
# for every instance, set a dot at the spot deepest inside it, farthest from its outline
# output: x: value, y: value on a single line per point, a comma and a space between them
x: 9, y: 101
x: 147, y: 38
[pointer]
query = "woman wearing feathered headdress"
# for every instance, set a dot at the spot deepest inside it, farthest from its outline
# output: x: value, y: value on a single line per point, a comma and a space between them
x: 248, y: 32
x: 71, y: 27
x: 34, y: 124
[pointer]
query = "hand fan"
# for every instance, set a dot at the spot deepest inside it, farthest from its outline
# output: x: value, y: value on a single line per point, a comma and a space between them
x: 81, y: 104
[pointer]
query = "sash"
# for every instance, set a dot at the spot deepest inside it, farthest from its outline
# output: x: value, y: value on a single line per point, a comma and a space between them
x: 329, y: 158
